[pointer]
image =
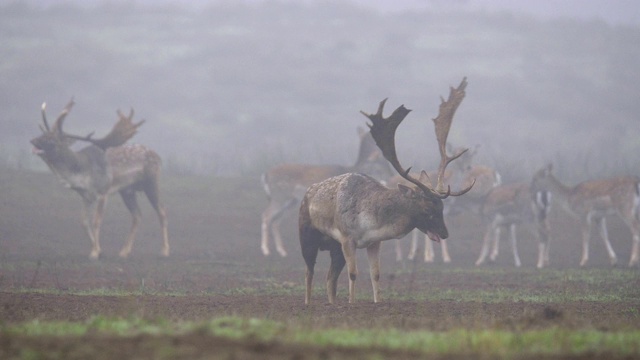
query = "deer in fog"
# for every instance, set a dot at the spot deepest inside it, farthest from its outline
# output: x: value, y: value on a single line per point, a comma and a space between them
x: 286, y: 184
x: 463, y: 173
x: 102, y: 168
x: 354, y: 211
x: 593, y: 200
x: 506, y: 207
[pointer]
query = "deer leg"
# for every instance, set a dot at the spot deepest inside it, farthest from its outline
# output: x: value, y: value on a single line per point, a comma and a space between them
x: 309, y: 244
x: 586, y: 234
x: 349, y: 251
x: 129, y: 198
x: 398, y: 249
x: 414, y: 245
x: 277, y: 236
x: 635, y: 248
x: 88, y: 226
x: 96, y: 223
x: 445, y: 251
x: 337, y: 264
x: 634, y: 226
x: 271, y: 218
x: 602, y: 222
x: 429, y: 254
x: 543, y: 243
x: 153, y: 194
x: 486, y: 241
x: 496, y: 243
x: 373, y: 253
x: 514, y: 244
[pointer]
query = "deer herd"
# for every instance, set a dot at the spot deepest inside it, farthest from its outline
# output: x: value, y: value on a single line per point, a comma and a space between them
x: 345, y: 208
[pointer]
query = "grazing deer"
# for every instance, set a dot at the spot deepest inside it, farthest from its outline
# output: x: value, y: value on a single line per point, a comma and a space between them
x: 509, y: 205
x: 593, y: 200
x: 463, y: 174
x: 351, y: 211
x: 102, y: 168
x: 286, y: 184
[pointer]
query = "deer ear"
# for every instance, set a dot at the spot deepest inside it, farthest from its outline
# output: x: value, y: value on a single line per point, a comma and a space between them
x: 406, y: 191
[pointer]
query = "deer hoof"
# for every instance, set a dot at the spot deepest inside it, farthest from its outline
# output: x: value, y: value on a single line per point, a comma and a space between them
x: 282, y: 252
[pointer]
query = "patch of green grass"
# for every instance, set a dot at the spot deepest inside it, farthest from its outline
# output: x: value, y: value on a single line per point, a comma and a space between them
x: 553, y: 341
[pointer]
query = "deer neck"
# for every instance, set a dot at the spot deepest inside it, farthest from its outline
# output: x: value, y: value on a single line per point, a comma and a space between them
x: 85, y: 171
x: 561, y: 192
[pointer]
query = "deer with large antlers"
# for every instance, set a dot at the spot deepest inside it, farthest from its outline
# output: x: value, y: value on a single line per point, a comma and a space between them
x: 354, y: 211
x: 593, y: 200
x: 102, y: 168
x: 286, y: 184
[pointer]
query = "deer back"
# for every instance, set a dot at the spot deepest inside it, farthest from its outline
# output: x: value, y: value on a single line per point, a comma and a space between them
x: 358, y: 206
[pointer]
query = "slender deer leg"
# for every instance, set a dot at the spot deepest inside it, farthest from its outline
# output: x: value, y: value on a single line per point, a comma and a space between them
x: 543, y: 242
x: 337, y: 264
x: 129, y: 198
x: 373, y: 253
x: 398, y: 249
x: 429, y: 254
x: 309, y: 244
x: 634, y: 226
x: 97, y: 222
x: 267, y: 219
x: 271, y: 225
x: 586, y: 234
x: 514, y: 244
x: 414, y: 245
x: 635, y: 248
x: 496, y: 243
x: 349, y: 251
x: 486, y: 243
x: 446, y: 258
x: 277, y: 236
x: 152, y: 192
x: 602, y: 222
x: 88, y: 226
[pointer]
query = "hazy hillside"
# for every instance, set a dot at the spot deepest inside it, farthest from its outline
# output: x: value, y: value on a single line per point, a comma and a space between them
x: 236, y: 88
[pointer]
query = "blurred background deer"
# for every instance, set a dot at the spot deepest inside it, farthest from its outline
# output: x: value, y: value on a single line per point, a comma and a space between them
x: 102, y: 168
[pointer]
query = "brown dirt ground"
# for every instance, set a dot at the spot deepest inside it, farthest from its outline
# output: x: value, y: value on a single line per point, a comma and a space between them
x: 216, y: 262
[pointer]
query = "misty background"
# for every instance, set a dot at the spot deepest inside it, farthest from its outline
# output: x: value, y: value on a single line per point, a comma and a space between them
x: 234, y: 87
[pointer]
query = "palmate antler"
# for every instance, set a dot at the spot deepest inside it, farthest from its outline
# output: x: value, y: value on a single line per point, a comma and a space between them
x: 384, y: 129
x: 121, y: 132
x: 442, y: 125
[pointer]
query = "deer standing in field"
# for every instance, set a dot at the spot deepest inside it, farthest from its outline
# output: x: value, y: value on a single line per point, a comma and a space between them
x: 593, y: 200
x: 286, y: 184
x: 102, y: 168
x: 463, y: 174
x: 354, y: 211
x: 506, y: 207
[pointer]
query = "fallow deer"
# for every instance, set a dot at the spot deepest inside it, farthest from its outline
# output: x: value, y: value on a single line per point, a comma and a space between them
x: 352, y: 211
x: 102, y: 168
x: 510, y: 205
x: 286, y: 184
x: 594, y: 200
x: 463, y: 173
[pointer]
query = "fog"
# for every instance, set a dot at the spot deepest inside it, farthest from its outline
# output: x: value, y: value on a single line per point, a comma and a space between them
x: 232, y: 88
